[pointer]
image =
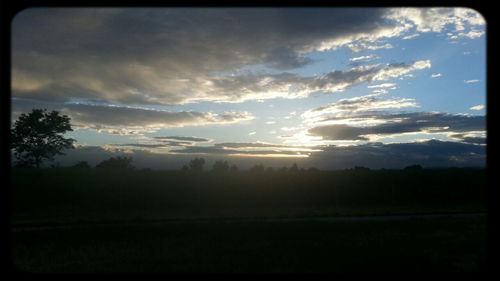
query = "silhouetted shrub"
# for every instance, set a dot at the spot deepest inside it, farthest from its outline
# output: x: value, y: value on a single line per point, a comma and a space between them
x: 82, y: 165
x: 294, y: 168
x: 116, y: 163
x: 361, y: 168
x: 413, y: 168
x: 269, y: 170
x: 233, y: 168
x: 197, y: 164
x: 283, y: 169
x: 220, y: 166
x: 257, y: 168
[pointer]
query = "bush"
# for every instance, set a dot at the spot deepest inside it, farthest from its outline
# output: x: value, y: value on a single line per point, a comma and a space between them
x: 220, y: 166
x: 82, y: 165
x: 116, y: 163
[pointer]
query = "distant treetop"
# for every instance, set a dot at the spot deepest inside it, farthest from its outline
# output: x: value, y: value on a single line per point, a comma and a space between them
x: 116, y: 163
x: 413, y: 167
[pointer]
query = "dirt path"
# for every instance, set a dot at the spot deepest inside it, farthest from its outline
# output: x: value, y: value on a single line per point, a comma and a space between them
x: 371, y: 218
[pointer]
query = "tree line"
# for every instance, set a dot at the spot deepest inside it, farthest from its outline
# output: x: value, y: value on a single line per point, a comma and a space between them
x: 38, y: 136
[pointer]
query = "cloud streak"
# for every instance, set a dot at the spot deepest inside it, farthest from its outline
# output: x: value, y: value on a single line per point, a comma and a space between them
x: 127, y: 120
x: 477, y: 107
x: 357, y: 108
x: 402, y: 123
x: 193, y: 139
x: 398, y: 155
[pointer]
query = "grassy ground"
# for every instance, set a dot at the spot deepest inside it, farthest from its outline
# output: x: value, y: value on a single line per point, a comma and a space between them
x: 442, y: 245
x: 74, y: 196
x: 69, y: 195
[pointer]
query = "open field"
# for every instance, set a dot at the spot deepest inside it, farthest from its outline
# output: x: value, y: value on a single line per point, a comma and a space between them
x: 78, y: 220
x: 73, y: 195
x: 423, y: 246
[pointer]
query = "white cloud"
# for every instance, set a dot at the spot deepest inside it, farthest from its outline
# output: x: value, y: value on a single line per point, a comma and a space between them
x: 397, y: 70
x: 384, y: 85
x: 252, y: 133
x: 477, y: 107
x: 436, y: 75
x: 359, y: 46
x: 380, y: 91
x: 291, y: 86
x: 353, y: 107
x: 472, y: 34
x: 364, y: 58
x: 288, y: 129
x: 471, y: 81
x: 410, y: 36
x: 437, y: 19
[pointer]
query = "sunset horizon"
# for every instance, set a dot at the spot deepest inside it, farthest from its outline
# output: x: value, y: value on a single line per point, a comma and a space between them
x: 330, y: 88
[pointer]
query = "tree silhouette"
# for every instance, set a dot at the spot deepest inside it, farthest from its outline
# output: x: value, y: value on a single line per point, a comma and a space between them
x: 269, y: 170
x: 196, y: 164
x: 413, y: 167
x: 257, y: 168
x: 361, y: 168
x: 116, y: 163
x: 233, y: 168
x: 220, y: 166
x: 313, y: 169
x: 82, y: 165
x: 294, y: 168
x: 38, y: 136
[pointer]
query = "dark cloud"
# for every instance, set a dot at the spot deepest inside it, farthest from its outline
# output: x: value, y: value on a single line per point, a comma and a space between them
x: 285, y: 58
x: 402, y: 123
x: 340, y: 132
x: 376, y: 155
x: 464, y: 137
x: 170, y: 55
x: 247, y: 34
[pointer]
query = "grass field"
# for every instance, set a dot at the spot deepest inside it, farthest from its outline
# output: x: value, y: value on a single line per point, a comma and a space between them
x: 72, y: 195
x: 89, y: 197
x: 444, y: 246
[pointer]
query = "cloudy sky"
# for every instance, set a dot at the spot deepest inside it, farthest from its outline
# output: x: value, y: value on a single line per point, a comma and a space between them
x: 327, y: 87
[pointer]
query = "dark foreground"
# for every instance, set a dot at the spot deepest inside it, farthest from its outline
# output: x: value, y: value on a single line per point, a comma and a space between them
x: 71, y: 220
x: 420, y: 246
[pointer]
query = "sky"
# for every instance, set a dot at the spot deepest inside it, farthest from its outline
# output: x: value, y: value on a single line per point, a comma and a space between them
x: 323, y: 87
